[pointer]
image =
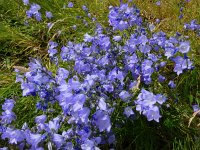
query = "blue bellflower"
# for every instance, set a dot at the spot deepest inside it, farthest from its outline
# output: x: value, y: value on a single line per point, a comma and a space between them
x: 70, y: 5
x: 26, y: 2
x: 49, y: 15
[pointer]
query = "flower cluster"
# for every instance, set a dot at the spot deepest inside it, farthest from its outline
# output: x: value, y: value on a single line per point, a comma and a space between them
x: 7, y: 115
x: 148, y: 104
x: 38, y: 81
x: 104, y: 71
x: 193, y: 26
x: 34, y: 11
x: 124, y: 17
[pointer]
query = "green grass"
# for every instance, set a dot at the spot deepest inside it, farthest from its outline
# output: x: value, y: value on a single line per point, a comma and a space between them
x: 19, y: 42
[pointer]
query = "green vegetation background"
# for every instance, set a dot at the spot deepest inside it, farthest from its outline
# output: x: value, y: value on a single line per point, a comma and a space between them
x: 19, y: 42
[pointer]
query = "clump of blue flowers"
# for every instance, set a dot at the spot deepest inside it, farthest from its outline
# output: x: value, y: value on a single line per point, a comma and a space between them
x: 116, y: 67
x: 193, y: 26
